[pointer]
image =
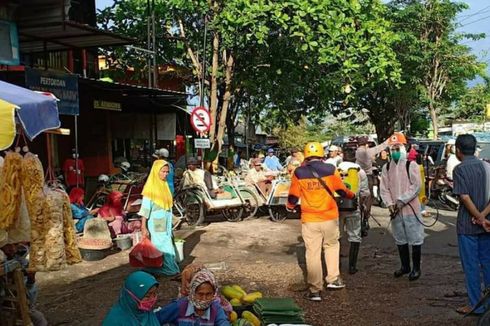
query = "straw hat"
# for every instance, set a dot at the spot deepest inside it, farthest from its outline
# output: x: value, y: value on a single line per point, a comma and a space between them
x: 96, y: 235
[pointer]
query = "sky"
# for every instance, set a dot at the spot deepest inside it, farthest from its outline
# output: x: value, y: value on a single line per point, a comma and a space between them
x: 474, y: 20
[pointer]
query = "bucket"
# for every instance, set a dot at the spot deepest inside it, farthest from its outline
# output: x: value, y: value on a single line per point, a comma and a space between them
x: 137, y: 237
x: 179, y: 250
x: 123, y: 242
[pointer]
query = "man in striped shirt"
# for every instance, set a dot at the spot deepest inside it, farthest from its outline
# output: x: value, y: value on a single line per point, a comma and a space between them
x: 472, y: 184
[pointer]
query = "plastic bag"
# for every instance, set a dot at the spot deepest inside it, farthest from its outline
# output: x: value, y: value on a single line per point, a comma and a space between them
x: 144, y: 254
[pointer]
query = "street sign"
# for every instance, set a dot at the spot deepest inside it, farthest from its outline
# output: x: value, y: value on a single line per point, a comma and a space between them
x: 202, y: 143
x: 200, y: 119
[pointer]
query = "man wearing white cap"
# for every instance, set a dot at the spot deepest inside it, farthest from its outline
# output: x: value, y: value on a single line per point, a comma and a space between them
x: 334, y: 156
x: 163, y: 154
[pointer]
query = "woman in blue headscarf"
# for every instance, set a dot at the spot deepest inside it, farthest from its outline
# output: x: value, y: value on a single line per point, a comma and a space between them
x: 136, y: 302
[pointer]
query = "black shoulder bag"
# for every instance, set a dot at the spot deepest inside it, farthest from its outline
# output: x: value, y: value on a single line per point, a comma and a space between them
x: 344, y: 204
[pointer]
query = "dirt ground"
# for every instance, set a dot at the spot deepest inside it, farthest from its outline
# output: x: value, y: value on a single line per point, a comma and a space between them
x: 269, y: 257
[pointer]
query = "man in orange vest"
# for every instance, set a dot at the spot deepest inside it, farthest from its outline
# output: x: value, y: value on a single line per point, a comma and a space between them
x: 314, y: 183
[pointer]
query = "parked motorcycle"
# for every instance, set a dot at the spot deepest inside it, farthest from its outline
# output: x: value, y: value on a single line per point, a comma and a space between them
x: 130, y: 184
x: 441, y: 189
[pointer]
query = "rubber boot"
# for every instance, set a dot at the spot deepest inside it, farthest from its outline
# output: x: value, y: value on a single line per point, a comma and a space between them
x: 404, y: 253
x: 353, y: 253
x: 416, y: 255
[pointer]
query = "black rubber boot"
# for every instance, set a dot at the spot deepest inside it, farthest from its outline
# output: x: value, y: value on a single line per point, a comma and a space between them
x: 416, y: 255
x: 353, y: 253
x: 404, y: 253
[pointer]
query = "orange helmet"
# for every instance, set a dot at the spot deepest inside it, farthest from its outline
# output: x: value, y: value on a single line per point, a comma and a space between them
x: 397, y: 138
x: 314, y: 149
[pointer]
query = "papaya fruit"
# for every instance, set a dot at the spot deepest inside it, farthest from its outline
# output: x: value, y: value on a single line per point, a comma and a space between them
x: 233, y: 316
x: 251, y: 297
x: 247, y: 315
x: 239, y: 288
x: 242, y: 322
x: 230, y: 293
x: 235, y: 302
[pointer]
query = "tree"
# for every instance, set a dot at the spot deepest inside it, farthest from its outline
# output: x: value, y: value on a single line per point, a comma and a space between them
x: 276, y: 58
x: 435, y: 67
x: 472, y: 105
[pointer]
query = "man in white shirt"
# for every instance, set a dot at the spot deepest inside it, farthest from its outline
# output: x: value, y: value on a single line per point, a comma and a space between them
x: 334, y: 156
x: 452, y: 162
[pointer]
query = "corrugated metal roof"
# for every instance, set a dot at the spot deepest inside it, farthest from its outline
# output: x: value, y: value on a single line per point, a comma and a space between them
x: 64, y: 35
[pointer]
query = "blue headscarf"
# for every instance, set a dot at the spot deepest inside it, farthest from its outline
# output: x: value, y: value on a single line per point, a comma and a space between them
x: 125, y: 312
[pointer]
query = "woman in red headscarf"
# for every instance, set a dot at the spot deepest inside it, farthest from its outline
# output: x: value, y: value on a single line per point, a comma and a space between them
x: 112, y: 212
x: 80, y: 213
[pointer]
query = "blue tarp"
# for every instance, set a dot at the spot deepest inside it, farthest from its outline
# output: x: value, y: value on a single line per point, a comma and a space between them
x: 36, y: 113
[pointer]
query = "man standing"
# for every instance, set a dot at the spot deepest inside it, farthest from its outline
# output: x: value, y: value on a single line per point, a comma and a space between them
x: 350, y: 221
x: 472, y: 184
x: 452, y: 161
x: 364, y: 157
x: 400, y: 186
x: 334, y: 157
x: 314, y: 184
x: 272, y: 162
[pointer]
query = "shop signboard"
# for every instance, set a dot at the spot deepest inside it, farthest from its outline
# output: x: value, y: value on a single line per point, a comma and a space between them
x: 202, y: 143
x: 63, y: 86
x: 107, y: 105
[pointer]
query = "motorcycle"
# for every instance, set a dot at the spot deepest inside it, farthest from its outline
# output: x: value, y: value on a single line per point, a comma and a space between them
x: 441, y: 189
x: 130, y: 184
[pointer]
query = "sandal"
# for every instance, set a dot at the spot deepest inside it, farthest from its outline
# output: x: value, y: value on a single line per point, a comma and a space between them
x: 464, y: 310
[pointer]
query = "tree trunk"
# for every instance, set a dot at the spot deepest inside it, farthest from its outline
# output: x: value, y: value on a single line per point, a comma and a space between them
x: 226, y: 98
x: 433, y: 116
x: 214, y: 88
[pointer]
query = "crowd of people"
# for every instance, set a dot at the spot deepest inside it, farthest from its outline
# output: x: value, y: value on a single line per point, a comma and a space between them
x: 331, y: 211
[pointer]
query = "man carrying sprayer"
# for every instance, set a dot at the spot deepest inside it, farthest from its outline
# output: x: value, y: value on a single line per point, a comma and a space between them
x: 314, y: 184
x: 350, y: 217
x: 400, y: 186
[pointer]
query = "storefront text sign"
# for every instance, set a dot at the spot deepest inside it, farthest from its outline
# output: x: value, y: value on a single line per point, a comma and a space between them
x: 63, y: 86
x: 107, y: 105
x: 202, y: 143
x: 200, y: 119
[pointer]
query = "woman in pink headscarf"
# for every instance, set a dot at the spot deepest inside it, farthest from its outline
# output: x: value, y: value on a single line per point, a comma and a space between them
x: 112, y: 212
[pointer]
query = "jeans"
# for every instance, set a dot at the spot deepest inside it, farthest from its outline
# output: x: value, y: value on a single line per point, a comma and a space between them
x: 474, y: 252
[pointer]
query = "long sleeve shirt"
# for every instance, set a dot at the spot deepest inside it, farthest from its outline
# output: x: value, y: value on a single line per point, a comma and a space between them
x: 317, y: 205
x: 397, y: 184
x: 272, y: 163
x: 364, y: 156
x: 182, y: 313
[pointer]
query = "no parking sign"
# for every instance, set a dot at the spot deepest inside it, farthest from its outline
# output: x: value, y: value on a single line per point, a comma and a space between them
x: 200, y: 119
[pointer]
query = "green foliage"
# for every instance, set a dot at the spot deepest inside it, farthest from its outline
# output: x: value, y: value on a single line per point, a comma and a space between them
x: 472, y: 105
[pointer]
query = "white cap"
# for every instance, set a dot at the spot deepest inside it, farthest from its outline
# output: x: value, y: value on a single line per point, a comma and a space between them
x: 333, y: 148
x: 451, y: 142
x: 162, y: 152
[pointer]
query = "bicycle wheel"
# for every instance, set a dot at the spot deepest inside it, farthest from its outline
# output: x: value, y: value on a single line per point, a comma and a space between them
x: 251, y: 205
x: 233, y: 214
x: 278, y: 213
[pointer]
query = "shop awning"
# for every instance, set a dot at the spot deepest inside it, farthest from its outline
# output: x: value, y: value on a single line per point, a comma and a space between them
x: 132, y: 96
x: 36, y: 112
x: 66, y: 35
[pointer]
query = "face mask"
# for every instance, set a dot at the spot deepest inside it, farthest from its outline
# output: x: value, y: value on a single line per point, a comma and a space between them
x: 146, y: 304
x: 202, y: 304
x: 396, y: 156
